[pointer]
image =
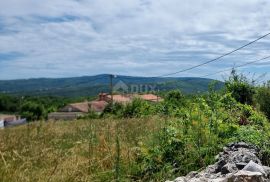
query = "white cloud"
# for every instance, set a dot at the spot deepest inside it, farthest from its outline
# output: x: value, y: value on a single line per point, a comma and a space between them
x: 136, y: 37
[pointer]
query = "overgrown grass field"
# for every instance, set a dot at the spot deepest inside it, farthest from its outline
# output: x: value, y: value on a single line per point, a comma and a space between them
x: 84, y: 150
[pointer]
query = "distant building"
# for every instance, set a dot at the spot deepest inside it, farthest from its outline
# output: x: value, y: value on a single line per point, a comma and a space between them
x: 2, y: 123
x: 64, y: 115
x: 15, y: 123
x: 150, y: 97
x: 98, y: 106
x: 82, y: 107
x: 122, y: 99
x: 76, y: 110
x: 10, y: 120
x: 127, y: 98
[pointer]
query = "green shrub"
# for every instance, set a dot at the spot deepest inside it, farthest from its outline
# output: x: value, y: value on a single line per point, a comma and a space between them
x: 175, y: 98
x: 91, y: 115
x: 263, y: 99
x: 115, y: 109
x: 33, y: 111
x: 165, y: 156
x: 242, y: 91
x: 257, y: 119
x: 250, y: 134
x: 137, y: 108
x: 227, y: 130
x: 227, y: 101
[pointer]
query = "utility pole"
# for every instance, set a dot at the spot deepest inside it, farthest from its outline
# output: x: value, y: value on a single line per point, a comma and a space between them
x: 111, y: 87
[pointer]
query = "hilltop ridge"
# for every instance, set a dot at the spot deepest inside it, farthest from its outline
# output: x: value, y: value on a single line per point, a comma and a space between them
x: 92, y: 85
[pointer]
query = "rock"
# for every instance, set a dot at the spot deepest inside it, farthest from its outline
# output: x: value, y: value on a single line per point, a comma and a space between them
x: 253, y: 167
x: 220, y: 164
x: 231, y: 144
x: 198, y: 180
x: 215, y: 176
x: 244, y: 156
x: 239, y: 162
x: 240, y: 165
x: 228, y: 168
x: 225, y: 149
x: 180, y: 179
x: 211, y: 169
x: 246, y: 176
x: 267, y: 171
x: 242, y: 145
x: 192, y: 174
x: 217, y: 157
x: 218, y: 180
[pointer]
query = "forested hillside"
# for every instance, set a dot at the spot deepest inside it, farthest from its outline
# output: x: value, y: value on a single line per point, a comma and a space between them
x: 92, y: 85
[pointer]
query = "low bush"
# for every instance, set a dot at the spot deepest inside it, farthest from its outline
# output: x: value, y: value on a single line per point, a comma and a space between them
x: 263, y: 100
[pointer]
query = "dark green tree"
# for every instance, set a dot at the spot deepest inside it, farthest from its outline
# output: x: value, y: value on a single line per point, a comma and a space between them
x: 32, y: 111
x: 175, y: 98
x: 8, y: 103
x: 263, y: 100
x: 240, y: 88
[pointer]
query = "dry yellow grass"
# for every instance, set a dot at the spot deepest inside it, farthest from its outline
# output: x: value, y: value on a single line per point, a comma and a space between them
x: 83, y: 150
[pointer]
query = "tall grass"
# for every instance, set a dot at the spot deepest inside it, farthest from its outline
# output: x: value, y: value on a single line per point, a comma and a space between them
x: 84, y: 150
x: 117, y: 155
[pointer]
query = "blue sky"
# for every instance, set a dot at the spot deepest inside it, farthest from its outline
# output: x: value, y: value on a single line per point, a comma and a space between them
x: 65, y: 38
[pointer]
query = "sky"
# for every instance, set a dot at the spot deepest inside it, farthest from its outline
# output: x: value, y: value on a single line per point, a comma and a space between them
x: 68, y: 38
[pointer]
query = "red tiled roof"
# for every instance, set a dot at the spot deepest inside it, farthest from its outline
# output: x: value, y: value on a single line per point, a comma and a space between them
x: 83, y: 106
x: 129, y: 97
x: 150, y: 97
x: 120, y: 98
x: 8, y: 117
x: 98, y: 106
x: 76, y: 107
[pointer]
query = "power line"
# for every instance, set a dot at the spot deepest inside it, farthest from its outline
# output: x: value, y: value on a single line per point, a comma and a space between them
x: 212, y: 60
x: 242, y: 65
x: 248, y: 63
x: 207, y: 62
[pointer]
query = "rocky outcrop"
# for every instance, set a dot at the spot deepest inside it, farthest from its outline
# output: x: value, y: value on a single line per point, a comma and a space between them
x: 239, y: 162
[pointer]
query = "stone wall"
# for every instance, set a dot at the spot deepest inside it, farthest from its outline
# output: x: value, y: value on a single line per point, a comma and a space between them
x: 239, y: 162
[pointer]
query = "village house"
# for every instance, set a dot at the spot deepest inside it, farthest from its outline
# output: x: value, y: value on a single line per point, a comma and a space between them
x: 76, y: 110
x: 82, y: 107
x: 98, y: 106
x: 64, y: 115
x: 10, y: 120
x: 122, y: 99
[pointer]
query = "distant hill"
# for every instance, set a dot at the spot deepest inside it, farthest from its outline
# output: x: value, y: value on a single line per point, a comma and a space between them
x: 92, y: 85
